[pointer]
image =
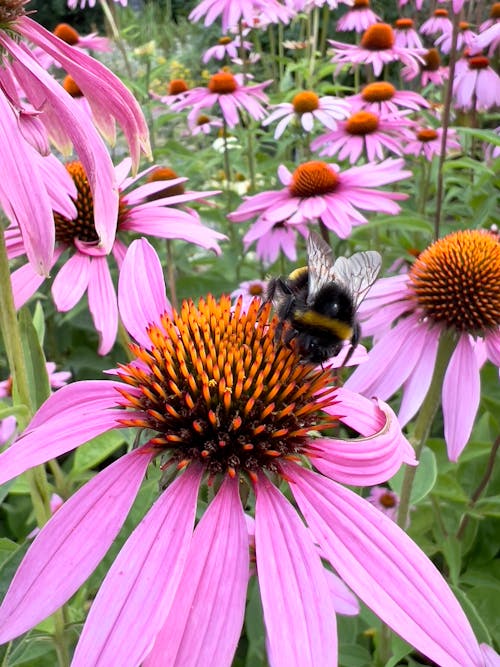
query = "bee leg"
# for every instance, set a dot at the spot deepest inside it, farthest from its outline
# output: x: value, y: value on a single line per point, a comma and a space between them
x: 354, y: 343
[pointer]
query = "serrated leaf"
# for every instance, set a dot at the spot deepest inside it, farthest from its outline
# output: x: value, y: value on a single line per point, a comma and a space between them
x: 425, y: 477
x: 95, y: 451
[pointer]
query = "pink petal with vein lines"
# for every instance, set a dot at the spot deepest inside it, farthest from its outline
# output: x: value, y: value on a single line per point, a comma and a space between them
x: 103, y: 304
x: 71, y: 544
x: 205, y: 621
x: 299, y: 617
x: 137, y: 593
x: 386, y: 569
x: 71, y: 282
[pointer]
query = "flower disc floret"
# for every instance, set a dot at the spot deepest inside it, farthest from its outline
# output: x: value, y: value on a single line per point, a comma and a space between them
x: 82, y: 227
x: 361, y: 123
x: 378, y: 37
x: 177, y: 86
x: 67, y: 33
x: 361, y: 4
x: 404, y: 24
x: 495, y: 11
x: 313, y: 178
x: 456, y: 281
x: 10, y: 10
x: 219, y: 389
x: 71, y: 87
x: 478, y: 62
x: 379, y: 91
x: 432, y: 60
x: 441, y: 13
x: 222, y: 83
x: 427, y: 134
x: 304, y: 102
x: 165, y: 174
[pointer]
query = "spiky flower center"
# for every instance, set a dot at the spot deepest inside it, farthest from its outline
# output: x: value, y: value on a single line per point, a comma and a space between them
x: 71, y: 87
x: 313, y: 178
x: 361, y: 123
x: 404, y: 24
x: 304, y: 102
x: 177, y: 86
x: 68, y: 34
x: 388, y: 499
x: 478, y: 62
x: 464, y: 25
x: 361, y: 4
x: 222, y: 83
x: 256, y: 289
x: 225, y: 40
x: 495, y: 11
x: 432, y: 61
x: 217, y: 388
x: 456, y: 281
x: 380, y: 91
x: 10, y: 10
x: 426, y: 134
x: 202, y: 119
x: 441, y: 13
x: 378, y: 37
x: 165, y: 174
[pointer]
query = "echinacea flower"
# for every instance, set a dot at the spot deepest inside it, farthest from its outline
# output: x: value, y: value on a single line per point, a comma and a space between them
x: 318, y: 190
x: 405, y: 34
x: 385, y: 501
x: 493, y: 18
x: 234, y: 11
x: 377, y: 48
x: 487, y: 39
x: 431, y: 70
x: 305, y: 108
x: 227, y: 47
x: 476, y: 84
x: 150, y: 208
x: 232, y: 97
x: 68, y: 34
x: 56, y: 115
x: 453, y: 287
x: 359, y: 17
x: 383, y: 98
x: 437, y: 24
x: 221, y: 400
x: 247, y: 291
x: 364, y: 133
x: 427, y: 142
x: 465, y: 38
x: 274, y: 239
x: 200, y: 123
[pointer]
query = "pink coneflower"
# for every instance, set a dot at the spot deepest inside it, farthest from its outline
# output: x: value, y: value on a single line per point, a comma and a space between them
x: 465, y: 38
x: 453, y: 287
x: 456, y: 5
x: 358, y: 18
x: 247, y: 291
x: 385, y: 501
x: 476, y: 84
x: 58, y: 116
x: 493, y: 18
x: 437, y: 24
x: 148, y: 209
x: 274, y: 239
x: 234, y: 11
x: 200, y: 123
x: 418, y: 3
x: 431, y: 70
x: 227, y: 47
x: 319, y: 191
x: 364, y: 133
x: 225, y: 90
x: 377, y: 48
x: 305, y: 108
x: 68, y: 34
x: 212, y: 411
x: 427, y: 142
x: 383, y: 98
x: 489, y: 39
x: 405, y: 34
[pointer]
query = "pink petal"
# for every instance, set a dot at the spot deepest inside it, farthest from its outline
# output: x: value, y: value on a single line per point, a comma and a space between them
x: 137, y: 593
x: 139, y: 307
x: 103, y: 305
x: 71, y: 282
x: 461, y: 394
x: 345, y: 602
x: 386, y: 569
x: 25, y: 282
x: 299, y: 617
x: 206, y: 617
x: 70, y: 546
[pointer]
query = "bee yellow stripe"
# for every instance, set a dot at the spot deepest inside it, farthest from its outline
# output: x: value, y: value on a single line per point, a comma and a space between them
x: 296, y: 273
x: 318, y: 321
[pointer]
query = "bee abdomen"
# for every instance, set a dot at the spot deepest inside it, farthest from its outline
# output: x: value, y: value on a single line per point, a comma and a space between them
x: 312, y: 320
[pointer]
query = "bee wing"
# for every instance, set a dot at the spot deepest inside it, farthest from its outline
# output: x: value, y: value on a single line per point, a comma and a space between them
x: 320, y: 264
x: 357, y: 273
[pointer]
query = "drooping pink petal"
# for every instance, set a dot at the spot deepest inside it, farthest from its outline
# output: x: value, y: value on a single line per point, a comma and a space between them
x: 25, y: 281
x: 139, y: 307
x: 137, y: 593
x: 299, y: 617
x: 345, y: 602
x: 103, y: 304
x: 76, y: 413
x: 206, y: 617
x: 70, y: 546
x: 71, y: 282
x: 363, y: 461
x: 461, y: 393
x: 386, y: 569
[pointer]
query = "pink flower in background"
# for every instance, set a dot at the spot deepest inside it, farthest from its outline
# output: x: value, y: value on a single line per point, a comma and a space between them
x: 405, y: 34
x: 227, y: 47
x: 359, y: 17
x: 381, y: 97
x: 274, y: 239
x: 385, y: 501
x: 430, y: 70
x: 228, y: 423
x: 476, y: 84
x: 456, y: 5
x: 454, y: 288
x: 489, y: 39
x: 418, y: 3
x: 465, y: 38
x: 377, y: 48
x: 427, y: 142
x: 437, y: 24
x: 249, y: 290
x: 234, y: 11
x: 48, y: 111
x: 225, y: 90
x: 200, y: 123
x: 366, y: 134
x: 150, y: 209
x: 305, y: 108
x: 319, y: 191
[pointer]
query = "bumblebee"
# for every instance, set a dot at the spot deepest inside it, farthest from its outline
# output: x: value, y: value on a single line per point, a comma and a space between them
x: 319, y: 301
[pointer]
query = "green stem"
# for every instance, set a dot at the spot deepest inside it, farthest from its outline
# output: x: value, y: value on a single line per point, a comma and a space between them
x: 116, y: 36
x: 324, y: 30
x: 313, y: 45
x: 424, y: 421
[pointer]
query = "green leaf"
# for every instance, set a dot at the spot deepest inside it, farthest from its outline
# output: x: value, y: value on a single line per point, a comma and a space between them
x: 34, y: 359
x: 489, y: 506
x: 481, y: 606
x: 425, y: 477
x: 95, y: 451
x: 353, y: 655
x: 485, y: 135
x: 39, y: 322
x: 400, y: 649
x: 404, y: 221
x: 19, y: 411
